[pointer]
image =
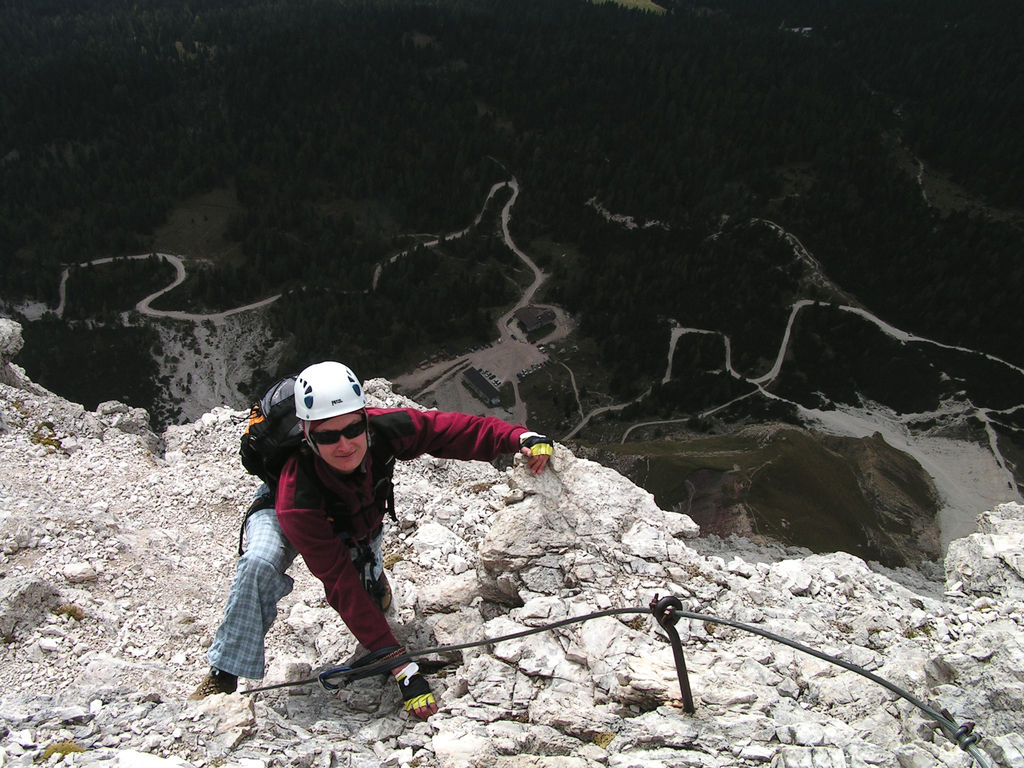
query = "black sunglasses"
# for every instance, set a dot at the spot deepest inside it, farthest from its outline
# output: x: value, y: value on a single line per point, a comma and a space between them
x: 331, y: 436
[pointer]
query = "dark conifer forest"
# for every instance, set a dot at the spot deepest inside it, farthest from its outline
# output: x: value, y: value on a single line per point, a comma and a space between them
x: 343, y: 126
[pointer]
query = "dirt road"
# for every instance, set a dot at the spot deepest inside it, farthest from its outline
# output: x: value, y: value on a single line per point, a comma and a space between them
x: 440, y: 384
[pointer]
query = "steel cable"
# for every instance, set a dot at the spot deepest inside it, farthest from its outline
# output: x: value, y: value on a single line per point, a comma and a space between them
x: 961, y: 734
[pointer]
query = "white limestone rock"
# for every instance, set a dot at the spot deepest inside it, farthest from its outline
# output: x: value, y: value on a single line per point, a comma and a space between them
x: 80, y: 573
x: 25, y: 601
x: 990, y: 562
x: 477, y: 551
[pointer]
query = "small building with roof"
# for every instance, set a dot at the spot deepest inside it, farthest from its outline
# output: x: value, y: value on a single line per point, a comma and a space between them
x: 533, y: 318
x: 481, y: 387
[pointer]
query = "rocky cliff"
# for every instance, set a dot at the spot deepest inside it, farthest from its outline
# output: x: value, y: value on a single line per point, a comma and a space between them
x: 118, y: 546
x: 770, y: 482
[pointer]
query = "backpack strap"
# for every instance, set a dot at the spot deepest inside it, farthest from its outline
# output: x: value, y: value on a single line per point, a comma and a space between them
x: 263, y: 501
x: 383, y: 458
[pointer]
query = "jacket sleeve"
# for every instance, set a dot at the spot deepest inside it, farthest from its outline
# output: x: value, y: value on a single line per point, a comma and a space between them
x: 451, y: 435
x: 327, y: 558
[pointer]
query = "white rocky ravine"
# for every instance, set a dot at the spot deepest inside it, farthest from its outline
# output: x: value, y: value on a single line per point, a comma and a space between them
x: 117, y: 547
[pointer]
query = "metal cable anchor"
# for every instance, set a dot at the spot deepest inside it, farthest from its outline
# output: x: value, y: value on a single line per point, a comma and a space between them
x: 664, y: 611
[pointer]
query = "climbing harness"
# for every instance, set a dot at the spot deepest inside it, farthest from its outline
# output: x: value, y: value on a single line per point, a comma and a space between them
x: 666, y: 611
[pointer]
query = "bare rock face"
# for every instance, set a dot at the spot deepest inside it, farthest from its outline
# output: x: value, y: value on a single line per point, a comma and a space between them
x: 990, y: 562
x: 116, y: 554
x: 11, y: 340
x: 25, y: 602
x: 569, y: 521
x: 901, y: 496
x: 11, y: 343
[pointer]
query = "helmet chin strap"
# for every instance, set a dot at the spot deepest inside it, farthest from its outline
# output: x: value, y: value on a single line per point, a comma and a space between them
x: 305, y: 437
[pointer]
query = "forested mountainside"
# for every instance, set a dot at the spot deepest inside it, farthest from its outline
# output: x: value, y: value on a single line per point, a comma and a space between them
x: 321, y: 138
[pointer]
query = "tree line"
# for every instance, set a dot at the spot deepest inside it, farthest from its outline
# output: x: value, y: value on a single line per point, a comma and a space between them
x: 343, y: 126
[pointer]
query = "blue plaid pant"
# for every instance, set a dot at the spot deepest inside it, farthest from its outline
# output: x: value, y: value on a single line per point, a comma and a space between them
x: 259, y: 584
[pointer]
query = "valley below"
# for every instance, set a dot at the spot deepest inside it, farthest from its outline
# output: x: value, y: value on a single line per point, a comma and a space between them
x: 772, y: 460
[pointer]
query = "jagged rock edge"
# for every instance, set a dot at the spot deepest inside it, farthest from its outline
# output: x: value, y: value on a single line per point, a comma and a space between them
x: 118, y: 546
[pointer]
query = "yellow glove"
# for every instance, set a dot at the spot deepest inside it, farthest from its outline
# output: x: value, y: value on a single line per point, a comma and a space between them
x: 539, y: 445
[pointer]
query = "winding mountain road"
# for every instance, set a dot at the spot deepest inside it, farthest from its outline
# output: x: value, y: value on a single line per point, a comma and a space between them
x: 511, y: 352
x: 505, y: 357
x: 144, y: 306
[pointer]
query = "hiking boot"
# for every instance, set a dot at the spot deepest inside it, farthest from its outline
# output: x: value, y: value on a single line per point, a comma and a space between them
x: 215, y: 682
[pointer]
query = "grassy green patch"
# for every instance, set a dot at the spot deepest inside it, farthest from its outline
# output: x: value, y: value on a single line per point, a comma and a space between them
x: 637, y: 623
x: 393, y: 558
x: 197, y: 227
x: 549, y: 398
x: 61, y: 748
x: 641, y: 5
x: 790, y: 484
x: 43, y: 434
x: 807, y: 494
x: 72, y: 610
x: 549, y: 393
x: 922, y: 630
x: 603, y: 739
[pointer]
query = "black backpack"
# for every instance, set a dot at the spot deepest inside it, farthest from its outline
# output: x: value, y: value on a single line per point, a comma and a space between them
x: 273, y: 433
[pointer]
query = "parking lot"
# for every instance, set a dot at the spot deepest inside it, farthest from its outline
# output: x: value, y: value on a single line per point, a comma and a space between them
x: 440, y: 383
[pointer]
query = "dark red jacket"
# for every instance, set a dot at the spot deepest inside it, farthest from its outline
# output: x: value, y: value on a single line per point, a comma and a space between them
x: 303, y: 506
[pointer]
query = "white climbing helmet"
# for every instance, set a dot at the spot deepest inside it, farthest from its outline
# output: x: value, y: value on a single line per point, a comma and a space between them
x: 325, y: 390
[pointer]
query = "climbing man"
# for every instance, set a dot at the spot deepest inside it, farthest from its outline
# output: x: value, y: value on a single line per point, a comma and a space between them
x: 329, y: 506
